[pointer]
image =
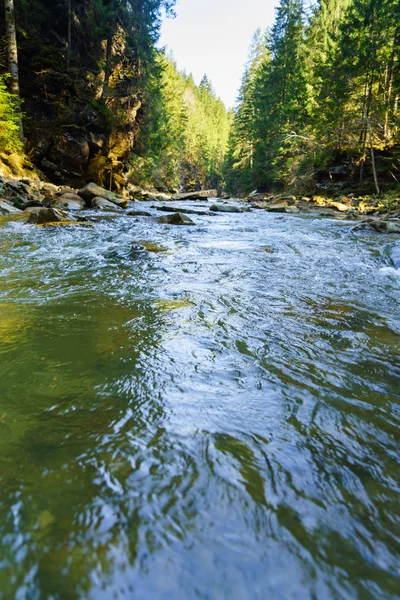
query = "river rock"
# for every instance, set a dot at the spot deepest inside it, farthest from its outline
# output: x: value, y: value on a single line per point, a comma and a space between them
x: 201, y: 195
x: 278, y: 208
x: 92, y: 190
x: 176, y: 219
x: 9, y: 209
x: 42, y: 215
x: 70, y: 202
x: 50, y: 187
x: 103, y: 204
x: 226, y: 208
x: 138, y: 213
x: 340, y: 206
x: 379, y: 225
x: 292, y: 210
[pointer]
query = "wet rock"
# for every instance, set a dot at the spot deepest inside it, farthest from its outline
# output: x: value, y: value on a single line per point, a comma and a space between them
x: 70, y: 202
x: 396, y: 258
x: 92, y: 190
x: 379, y: 225
x: 292, y: 210
x: 226, y: 208
x: 41, y: 216
x: 8, y: 209
x: 138, y: 213
x: 201, y: 195
x: 386, y: 226
x: 277, y: 208
x: 185, y: 211
x: 103, y: 204
x: 153, y: 248
x: 176, y: 219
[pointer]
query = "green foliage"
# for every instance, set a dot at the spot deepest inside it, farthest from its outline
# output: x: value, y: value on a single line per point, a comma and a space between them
x: 317, y: 88
x: 185, y: 136
x: 9, y: 120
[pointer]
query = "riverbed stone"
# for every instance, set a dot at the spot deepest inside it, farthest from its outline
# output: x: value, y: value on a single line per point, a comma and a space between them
x: 92, y: 190
x: 176, y: 219
x: 70, y: 202
x: 138, y: 213
x: 8, y: 209
x: 103, y: 204
x: 225, y: 208
x: 277, y: 208
x: 42, y: 215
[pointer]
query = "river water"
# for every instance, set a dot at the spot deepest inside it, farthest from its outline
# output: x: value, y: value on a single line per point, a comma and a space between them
x: 219, y: 420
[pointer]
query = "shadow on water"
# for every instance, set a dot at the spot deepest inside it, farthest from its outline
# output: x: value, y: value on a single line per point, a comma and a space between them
x: 206, y: 421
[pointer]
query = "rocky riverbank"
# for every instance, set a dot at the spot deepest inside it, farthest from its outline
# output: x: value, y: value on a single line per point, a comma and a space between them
x: 43, y: 203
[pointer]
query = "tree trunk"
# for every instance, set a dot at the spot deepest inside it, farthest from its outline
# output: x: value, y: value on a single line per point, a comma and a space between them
x: 107, y: 70
x: 69, y: 36
x: 12, y: 51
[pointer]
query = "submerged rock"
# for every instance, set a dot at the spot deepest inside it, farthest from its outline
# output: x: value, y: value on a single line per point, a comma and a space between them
x: 152, y: 247
x: 379, y: 225
x: 185, y: 211
x: 176, y: 219
x: 226, y: 208
x: 396, y: 258
x: 138, y: 213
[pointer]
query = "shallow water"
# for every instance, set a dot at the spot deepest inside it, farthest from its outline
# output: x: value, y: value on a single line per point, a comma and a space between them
x: 218, y: 420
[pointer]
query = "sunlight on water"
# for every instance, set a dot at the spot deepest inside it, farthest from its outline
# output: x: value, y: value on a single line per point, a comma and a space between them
x: 212, y: 413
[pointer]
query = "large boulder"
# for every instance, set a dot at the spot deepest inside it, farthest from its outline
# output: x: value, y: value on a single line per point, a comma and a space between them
x: 92, y: 190
x: 41, y: 216
x: 176, y: 219
x: 103, y: 204
x: 8, y: 209
x: 70, y: 202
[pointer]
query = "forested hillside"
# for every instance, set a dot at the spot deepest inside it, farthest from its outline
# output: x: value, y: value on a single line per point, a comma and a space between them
x: 319, y: 101
x: 99, y: 101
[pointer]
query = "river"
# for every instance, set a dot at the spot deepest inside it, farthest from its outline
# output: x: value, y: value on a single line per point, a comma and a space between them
x: 218, y: 420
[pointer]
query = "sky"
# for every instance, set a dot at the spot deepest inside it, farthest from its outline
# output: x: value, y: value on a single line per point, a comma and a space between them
x: 213, y: 37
